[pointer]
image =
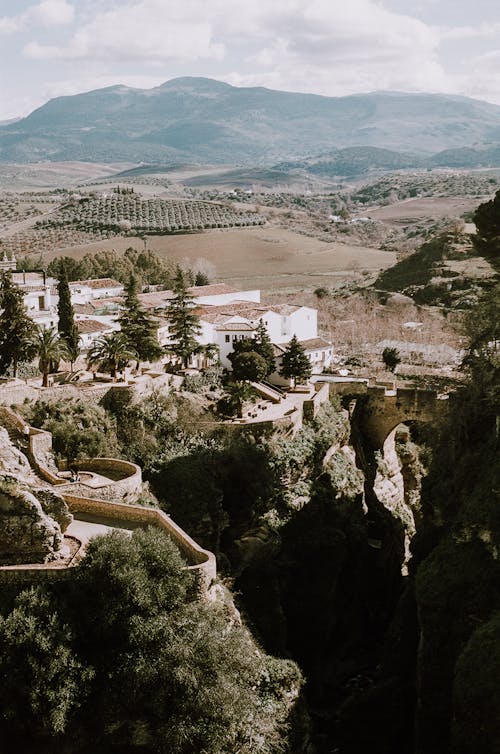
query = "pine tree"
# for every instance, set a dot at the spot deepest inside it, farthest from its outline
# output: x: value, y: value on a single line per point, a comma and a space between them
x: 264, y: 347
x: 294, y: 364
x: 184, y: 323
x: 66, y: 326
x: 17, y: 330
x: 137, y: 325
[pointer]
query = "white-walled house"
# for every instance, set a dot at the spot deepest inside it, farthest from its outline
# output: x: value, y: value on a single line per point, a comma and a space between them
x: 218, y: 294
x: 222, y: 325
x: 83, y: 291
x: 226, y: 315
x: 225, y: 336
x: 90, y: 330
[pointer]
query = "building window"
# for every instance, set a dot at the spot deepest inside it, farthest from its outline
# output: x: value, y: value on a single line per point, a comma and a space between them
x: 227, y: 338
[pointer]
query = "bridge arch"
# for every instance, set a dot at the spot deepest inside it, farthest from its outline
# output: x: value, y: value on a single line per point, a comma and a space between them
x: 381, y: 410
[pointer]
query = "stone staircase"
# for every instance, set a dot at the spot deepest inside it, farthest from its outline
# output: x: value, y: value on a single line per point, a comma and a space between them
x: 270, y: 393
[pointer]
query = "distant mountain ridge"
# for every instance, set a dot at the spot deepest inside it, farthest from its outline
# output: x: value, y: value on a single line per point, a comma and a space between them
x: 208, y: 121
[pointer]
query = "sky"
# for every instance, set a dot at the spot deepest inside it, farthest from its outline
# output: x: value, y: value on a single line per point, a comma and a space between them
x: 332, y: 47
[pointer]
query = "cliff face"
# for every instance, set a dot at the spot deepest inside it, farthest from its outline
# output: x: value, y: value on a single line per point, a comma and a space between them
x: 31, y: 524
x: 458, y: 598
x: 324, y: 588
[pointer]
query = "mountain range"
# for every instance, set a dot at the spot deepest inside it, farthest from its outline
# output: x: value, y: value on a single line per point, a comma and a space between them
x: 208, y: 121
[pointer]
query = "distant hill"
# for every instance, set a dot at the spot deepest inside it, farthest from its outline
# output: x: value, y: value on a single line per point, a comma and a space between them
x: 202, y: 120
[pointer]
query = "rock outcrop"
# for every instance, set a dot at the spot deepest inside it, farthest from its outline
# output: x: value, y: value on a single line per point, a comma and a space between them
x: 12, y: 460
x: 31, y: 524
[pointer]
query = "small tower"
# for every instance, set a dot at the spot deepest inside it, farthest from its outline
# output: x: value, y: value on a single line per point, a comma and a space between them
x: 7, y: 264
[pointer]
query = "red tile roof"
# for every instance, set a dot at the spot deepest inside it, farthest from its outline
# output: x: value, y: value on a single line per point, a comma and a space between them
x: 91, y: 326
x: 98, y: 283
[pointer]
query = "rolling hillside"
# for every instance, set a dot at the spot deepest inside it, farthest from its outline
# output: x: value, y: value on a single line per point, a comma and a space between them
x: 197, y: 119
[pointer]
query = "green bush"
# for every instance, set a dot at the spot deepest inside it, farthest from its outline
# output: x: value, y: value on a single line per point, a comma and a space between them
x: 123, y: 658
x: 79, y: 429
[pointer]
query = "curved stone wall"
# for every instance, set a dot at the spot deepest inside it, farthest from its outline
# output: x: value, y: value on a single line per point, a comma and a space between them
x: 125, y: 484
x: 100, y: 501
x: 199, y: 560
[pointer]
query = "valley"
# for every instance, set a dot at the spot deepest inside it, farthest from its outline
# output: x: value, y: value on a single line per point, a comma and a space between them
x: 283, y: 355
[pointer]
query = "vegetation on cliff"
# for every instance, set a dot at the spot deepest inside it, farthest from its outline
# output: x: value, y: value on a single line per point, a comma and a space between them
x: 125, y: 657
x: 456, y: 559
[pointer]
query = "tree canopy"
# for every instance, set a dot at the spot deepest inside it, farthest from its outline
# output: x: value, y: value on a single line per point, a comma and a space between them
x: 138, y: 326
x: 124, y: 656
x: 248, y: 365
x: 294, y: 363
x: 17, y: 330
x: 111, y: 353
x: 260, y: 344
x: 66, y: 323
x: 487, y: 221
x: 184, y: 323
x: 49, y: 347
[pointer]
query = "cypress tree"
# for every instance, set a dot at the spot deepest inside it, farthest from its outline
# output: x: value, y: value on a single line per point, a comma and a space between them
x: 184, y: 323
x: 17, y: 330
x: 264, y: 347
x: 138, y: 326
x: 294, y: 364
x: 66, y: 326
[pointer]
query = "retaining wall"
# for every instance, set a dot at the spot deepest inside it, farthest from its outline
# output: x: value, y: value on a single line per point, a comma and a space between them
x: 201, y: 561
x: 311, y: 407
x: 128, y: 487
x: 35, y: 573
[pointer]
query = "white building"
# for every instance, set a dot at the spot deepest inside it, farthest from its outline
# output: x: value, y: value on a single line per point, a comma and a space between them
x: 83, y: 291
x: 218, y: 294
x: 223, y: 325
x: 318, y: 350
x: 90, y: 330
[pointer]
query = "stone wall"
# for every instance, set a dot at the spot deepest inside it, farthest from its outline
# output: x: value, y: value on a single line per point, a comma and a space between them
x: 201, y: 561
x: 311, y: 407
x: 382, y: 409
x: 126, y: 488
x: 17, y: 392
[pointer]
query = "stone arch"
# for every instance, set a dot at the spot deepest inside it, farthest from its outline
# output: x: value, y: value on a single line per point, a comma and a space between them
x: 381, y: 410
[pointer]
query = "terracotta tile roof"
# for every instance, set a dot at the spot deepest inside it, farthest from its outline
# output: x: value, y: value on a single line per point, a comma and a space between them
x: 215, y: 289
x: 315, y: 344
x: 20, y: 277
x: 156, y: 299
x: 236, y: 327
x: 85, y: 326
x: 83, y: 308
x: 98, y: 283
x: 249, y: 309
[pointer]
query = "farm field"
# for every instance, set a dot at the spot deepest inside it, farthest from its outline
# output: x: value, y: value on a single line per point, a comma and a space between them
x: 428, y: 207
x: 267, y: 258
x: 51, y: 175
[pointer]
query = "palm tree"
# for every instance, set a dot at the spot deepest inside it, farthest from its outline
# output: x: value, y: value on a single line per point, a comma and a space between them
x: 111, y: 353
x: 210, y: 352
x: 49, y: 347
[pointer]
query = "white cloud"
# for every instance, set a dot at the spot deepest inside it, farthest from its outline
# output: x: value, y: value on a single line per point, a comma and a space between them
x: 143, y: 31
x: 481, y: 78
x: 338, y: 48
x: 331, y: 47
x: 327, y: 46
x: 482, y: 30
x: 47, y: 13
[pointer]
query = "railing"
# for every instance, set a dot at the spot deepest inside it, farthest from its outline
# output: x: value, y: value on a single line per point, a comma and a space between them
x: 267, y: 391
